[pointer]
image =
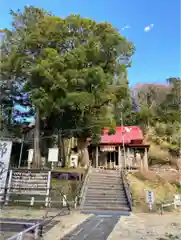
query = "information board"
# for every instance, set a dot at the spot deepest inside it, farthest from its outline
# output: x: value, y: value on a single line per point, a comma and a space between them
x: 74, y: 160
x: 53, y: 154
x: 149, y: 197
x: 29, y: 183
x: 177, y: 199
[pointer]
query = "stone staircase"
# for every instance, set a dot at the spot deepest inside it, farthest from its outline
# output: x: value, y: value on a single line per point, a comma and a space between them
x: 104, y: 193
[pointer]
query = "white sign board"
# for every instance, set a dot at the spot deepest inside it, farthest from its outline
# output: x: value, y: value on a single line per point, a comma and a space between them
x: 53, y: 155
x: 177, y: 200
x: 29, y: 183
x: 73, y: 160
x: 30, y: 155
x: 5, y: 154
x: 150, y: 197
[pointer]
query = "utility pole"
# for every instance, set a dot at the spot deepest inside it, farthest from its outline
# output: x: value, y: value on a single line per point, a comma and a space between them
x: 37, y: 155
x: 124, y: 152
x: 1, y: 106
x: 21, y: 150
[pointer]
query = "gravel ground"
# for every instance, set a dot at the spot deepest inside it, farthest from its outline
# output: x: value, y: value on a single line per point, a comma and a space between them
x: 147, y: 227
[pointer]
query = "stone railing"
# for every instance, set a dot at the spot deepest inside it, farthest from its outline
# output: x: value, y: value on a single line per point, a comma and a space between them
x: 127, y: 189
x: 83, y: 188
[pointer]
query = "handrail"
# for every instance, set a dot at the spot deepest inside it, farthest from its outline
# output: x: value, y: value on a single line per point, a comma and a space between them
x: 84, y: 185
x: 127, y: 189
x: 166, y: 203
x: 20, y: 235
x: 37, y: 227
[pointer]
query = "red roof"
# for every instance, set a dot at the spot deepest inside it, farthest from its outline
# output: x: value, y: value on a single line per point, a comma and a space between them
x: 131, y: 134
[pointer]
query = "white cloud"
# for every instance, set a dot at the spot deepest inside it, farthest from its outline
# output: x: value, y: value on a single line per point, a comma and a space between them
x: 126, y: 27
x: 149, y: 27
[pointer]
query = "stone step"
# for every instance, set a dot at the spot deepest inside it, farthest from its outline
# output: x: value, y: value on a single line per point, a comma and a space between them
x: 105, y: 176
x: 105, y: 206
x: 102, y: 187
x: 105, y: 201
x: 102, y: 181
x: 105, y: 185
x: 106, y: 212
x: 101, y: 196
x: 104, y: 191
x: 111, y: 173
x: 108, y: 208
x: 105, y: 170
x: 108, y: 198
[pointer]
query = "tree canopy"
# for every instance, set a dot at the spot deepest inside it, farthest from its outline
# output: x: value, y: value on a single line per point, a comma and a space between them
x: 68, y: 69
x: 71, y: 75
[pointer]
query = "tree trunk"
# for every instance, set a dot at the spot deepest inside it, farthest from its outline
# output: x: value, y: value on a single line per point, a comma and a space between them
x: 82, y: 146
x: 37, y: 154
x: 63, y: 152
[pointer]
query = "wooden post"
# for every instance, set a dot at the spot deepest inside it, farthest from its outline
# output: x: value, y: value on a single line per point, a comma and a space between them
x: 139, y: 160
x: 119, y: 156
x: 141, y: 164
x: 21, y: 150
x: 97, y: 156
x: 145, y: 160
x: 8, y: 189
x: 128, y: 156
x: 37, y: 153
x: 114, y: 159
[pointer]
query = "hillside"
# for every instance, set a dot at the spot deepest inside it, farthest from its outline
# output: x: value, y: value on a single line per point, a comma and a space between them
x: 162, y: 150
x: 163, y: 184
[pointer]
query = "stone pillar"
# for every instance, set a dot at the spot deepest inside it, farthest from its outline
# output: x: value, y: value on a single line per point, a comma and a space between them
x: 128, y: 157
x: 97, y: 157
x: 139, y: 161
x: 145, y: 160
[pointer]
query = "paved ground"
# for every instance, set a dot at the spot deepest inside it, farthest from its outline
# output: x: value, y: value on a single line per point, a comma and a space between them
x: 18, y: 225
x: 95, y: 227
x: 82, y: 226
x: 66, y: 225
x: 57, y: 229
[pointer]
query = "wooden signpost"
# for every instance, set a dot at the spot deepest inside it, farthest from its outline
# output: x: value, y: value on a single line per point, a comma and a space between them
x: 150, y: 199
x: 53, y: 156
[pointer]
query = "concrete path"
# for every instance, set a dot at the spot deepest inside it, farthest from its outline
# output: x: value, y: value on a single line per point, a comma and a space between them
x: 95, y: 227
x: 66, y: 224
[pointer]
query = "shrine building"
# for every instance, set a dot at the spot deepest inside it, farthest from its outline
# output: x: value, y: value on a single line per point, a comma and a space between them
x: 126, y: 148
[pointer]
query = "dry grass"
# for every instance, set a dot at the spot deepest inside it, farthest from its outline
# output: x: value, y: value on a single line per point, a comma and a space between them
x: 158, y: 155
x: 163, y: 186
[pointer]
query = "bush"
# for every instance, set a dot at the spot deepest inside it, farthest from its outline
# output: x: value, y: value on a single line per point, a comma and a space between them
x: 157, y: 155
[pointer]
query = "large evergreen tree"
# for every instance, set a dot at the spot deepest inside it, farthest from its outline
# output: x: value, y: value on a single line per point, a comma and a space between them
x: 67, y: 68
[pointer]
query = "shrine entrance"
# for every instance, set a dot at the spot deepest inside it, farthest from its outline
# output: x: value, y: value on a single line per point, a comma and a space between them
x: 110, y: 156
x: 125, y: 149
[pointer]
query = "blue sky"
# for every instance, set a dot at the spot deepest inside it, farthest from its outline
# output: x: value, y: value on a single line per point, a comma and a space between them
x: 158, y: 52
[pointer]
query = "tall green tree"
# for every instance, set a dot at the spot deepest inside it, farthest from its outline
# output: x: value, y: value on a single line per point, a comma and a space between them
x: 68, y: 68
